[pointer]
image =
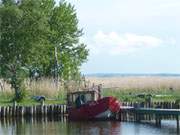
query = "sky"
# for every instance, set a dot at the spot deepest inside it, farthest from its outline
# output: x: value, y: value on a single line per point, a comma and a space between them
x: 130, y: 36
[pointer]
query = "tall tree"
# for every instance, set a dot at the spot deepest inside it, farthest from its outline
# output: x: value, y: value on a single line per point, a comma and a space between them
x: 30, y: 31
x: 65, y: 37
x: 23, y: 40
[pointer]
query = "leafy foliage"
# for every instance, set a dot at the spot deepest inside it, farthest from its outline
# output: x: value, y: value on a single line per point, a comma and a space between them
x: 29, y: 32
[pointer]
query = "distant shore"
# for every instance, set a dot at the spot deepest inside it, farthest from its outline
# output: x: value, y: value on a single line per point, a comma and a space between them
x: 132, y: 75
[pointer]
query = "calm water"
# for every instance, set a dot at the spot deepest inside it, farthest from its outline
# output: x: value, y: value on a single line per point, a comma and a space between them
x: 59, y: 126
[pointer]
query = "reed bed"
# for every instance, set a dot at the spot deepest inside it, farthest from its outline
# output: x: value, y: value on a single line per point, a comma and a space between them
x: 128, y: 88
x: 124, y: 88
x: 47, y: 87
x: 44, y: 86
x: 149, y: 83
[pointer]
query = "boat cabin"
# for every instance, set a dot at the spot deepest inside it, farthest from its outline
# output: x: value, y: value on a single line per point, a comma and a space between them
x: 82, y: 96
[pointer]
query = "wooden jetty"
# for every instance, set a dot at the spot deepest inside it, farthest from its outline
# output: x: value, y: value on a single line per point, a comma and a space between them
x: 132, y: 112
x: 148, y: 115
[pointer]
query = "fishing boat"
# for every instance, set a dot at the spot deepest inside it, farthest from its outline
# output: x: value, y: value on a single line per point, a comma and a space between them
x: 89, y: 105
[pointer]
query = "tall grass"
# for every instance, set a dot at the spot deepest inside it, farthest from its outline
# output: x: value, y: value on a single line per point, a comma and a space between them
x: 138, y: 83
x: 46, y: 87
x: 127, y: 88
x: 121, y: 87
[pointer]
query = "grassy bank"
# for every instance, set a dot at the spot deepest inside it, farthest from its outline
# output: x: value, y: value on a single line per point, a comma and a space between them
x: 44, y: 87
x: 132, y: 88
x: 133, y: 95
x: 124, y: 88
x: 6, y: 100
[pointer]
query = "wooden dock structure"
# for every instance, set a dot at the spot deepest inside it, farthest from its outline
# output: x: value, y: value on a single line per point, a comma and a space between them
x: 148, y: 115
x: 132, y: 112
x: 33, y: 111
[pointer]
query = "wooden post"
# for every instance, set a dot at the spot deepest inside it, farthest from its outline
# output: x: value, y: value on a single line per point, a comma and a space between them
x: 22, y: 111
x: 41, y: 109
x: 59, y: 109
x: 45, y: 110
x: 119, y: 114
x: 2, y: 111
x: 158, y: 120
x: 38, y: 109
x: 17, y: 111
x: 138, y: 117
x: 54, y: 110
x: 99, y: 91
x: 14, y: 104
x: 31, y: 111
x: 10, y: 111
x: 42, y: 102
x: 13, y: 111
x: 48, y: 110
x: 6, y: 111
x: 177, y: 119
x: 64, y: 109
x: 34, y: 111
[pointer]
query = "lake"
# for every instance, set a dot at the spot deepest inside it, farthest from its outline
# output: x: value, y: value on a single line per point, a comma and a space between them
x: 60, y: 126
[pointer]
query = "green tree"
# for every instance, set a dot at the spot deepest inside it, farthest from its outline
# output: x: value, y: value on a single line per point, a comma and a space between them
x: 65, y: 37
x: 23, y: 31
x: 30, y: 32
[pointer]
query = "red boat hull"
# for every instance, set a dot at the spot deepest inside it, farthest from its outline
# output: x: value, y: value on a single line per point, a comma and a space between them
x: 101, y: 109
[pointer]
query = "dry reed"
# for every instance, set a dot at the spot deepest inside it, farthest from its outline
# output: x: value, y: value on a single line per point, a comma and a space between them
x: 45, y: 86
x: 149, y: 83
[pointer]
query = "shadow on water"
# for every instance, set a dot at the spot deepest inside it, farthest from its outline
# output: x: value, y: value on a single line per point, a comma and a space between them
x: 61, y: 126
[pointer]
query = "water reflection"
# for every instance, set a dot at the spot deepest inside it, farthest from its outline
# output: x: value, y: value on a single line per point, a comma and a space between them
x: 29, y: 126
x: 91, y: 128
x: 60, y: 126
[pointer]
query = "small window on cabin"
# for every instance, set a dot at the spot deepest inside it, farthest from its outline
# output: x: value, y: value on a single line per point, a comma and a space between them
x: 75, y: 97
x: 88, y: 97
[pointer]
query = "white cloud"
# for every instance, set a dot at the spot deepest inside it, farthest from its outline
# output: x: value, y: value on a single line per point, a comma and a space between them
x: 115, y: 44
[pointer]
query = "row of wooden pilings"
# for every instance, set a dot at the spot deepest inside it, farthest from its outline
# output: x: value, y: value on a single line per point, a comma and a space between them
x: 38, y: 110
x: 163, y: 105
x: 44, y: 111
x: 61, y: 109
x: 147, y: 116
x: 131, y: 116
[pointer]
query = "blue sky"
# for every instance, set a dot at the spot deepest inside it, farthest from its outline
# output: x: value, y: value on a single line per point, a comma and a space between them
x: 130, y: 36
